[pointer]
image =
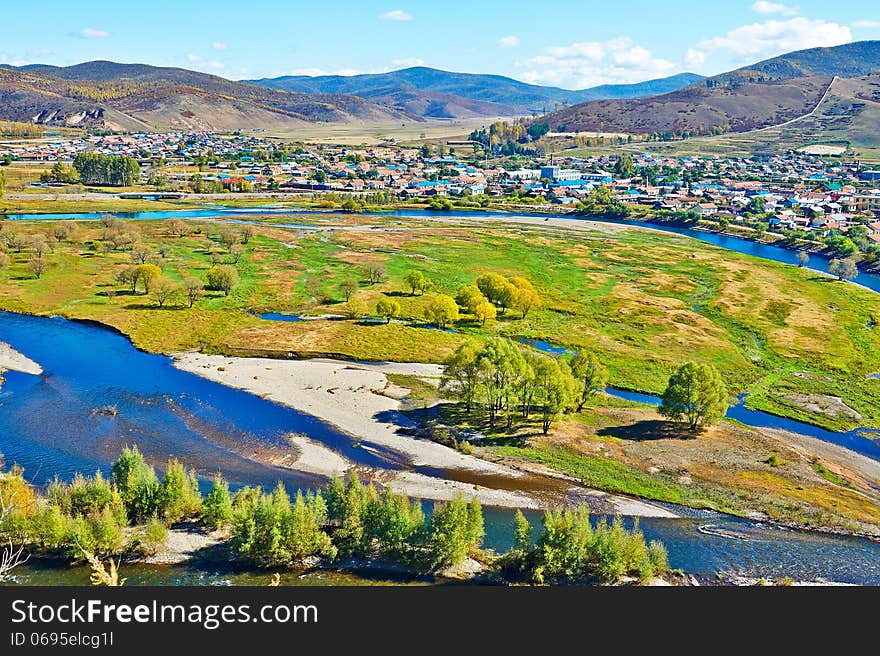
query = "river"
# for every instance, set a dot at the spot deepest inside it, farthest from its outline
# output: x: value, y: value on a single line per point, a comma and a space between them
x: 47, y: 425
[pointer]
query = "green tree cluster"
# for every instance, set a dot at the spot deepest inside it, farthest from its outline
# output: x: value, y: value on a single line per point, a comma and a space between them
x: 572, y: 549
x: 107, y: 170
x: 510, y: 382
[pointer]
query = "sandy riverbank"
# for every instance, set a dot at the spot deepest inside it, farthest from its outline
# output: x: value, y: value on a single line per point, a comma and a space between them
x: 12, y: 360
x: 358, y: 399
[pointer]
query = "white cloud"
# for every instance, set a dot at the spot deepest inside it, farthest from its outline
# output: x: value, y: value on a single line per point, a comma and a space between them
x: 508, y: 42
x: 396, y: 15
x: 751, y: 43
x: 866, y: 24
x: 764, y: 7
x: 591, y: 63
x: 694, y: 58
x: 192, y: 58
x: 214, y: 65
x: 219, y: 45
x: 92, y: 33
x: 407, y: 62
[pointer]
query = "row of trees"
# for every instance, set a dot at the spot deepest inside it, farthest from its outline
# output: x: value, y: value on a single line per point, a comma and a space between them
x: 572, y: 548
x: 131, y: 512
x: 93, y: 515
x: 492, y: 294
x: 222, y: 278
x: 508, y: 381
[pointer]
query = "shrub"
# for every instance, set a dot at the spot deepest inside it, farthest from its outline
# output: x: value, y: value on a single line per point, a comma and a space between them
x: 152, y: 537
x: 217, y: 506
x: 269, y: 530
x: 455, y: 531
x: 137, y: 484
x: 179, y: 495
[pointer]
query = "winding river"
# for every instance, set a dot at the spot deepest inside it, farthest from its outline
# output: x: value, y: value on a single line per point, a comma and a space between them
x: 54, y: 424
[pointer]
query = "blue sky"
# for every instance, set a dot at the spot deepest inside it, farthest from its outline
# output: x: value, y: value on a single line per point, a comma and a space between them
x: 568, y: 43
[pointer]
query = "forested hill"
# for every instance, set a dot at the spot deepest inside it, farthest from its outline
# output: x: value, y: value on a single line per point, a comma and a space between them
x: 137, y: 97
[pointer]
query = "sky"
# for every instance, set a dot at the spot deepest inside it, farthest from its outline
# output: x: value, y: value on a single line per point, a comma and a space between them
x: 568, y: 43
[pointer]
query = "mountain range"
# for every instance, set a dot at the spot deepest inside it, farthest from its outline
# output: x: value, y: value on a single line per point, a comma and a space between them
x: 127, y: 97
x: 771, y: 92
x: 433, y: 93
x: 108, y: 95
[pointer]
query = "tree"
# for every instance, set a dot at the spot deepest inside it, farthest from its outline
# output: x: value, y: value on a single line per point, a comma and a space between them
x: 375, y: 273
x: 492, y: 286
x: 235, y: 253
x: 844, y: 269
x: 37, y: 266
x: 193, y: 290
x: 179, y: 495
x: 442, y: 311
x: 522, y: 532
x: 111, y: 170
x: 696, y: 396
x: 591, y: 374
x: 177, y: 228
x: 484, y: 312
x: 147, y: 274
x: 803, y: 258
x: 164, y: 290
x: 555, y: 388
x: 140, y: 254
x: 388, y: 309
x: 137, y: 484
x: 128, y: 276
x: 356, y: 307
x: 469, y: 297
x: 348, y: 287
x: 222, y: 278
x: 624, y: 167
x: 417, y: 282
x: 455, y: 531
x: 461, y: 374
x: 526, y: 297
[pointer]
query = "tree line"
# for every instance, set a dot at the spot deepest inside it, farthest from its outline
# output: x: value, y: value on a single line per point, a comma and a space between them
x: 508, y: 382
x: 129, y: 515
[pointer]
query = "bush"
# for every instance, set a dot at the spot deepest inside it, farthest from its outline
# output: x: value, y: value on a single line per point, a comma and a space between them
x: 179, y: 495
x: 87, y: 496
x: 572, y: 550
x: 269, y: 530
x: 151, y: 539
x: 217, y: 506
x: 455, y: 532
x: 137, y: 484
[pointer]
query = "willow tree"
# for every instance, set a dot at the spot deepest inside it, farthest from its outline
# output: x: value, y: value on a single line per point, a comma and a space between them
x: 696, y: 396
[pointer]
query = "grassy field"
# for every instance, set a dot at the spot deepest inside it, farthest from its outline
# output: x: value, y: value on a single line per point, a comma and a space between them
x: 409, y: 131
x: 645, y: 302
x: 729, y: 468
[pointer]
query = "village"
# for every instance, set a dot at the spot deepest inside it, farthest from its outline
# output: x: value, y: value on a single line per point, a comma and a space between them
x: 815, y: 196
